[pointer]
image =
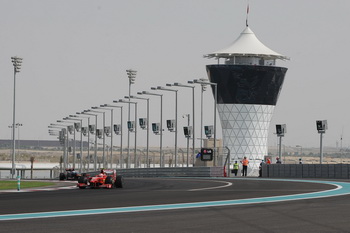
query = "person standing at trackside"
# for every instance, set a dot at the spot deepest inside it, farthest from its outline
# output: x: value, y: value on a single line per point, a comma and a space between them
x: 278, y: 161
x: 300, y: 161
x: 268, y: 161
x: 260, y: 167
x: 245, y: 163
x: 235, y: 168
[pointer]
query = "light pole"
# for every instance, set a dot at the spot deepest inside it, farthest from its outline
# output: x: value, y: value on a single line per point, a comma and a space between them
x: 132, y: 76
x: 104, y: 135
x: 17, y: 62
x: 74, y: 144
x: 201, y: 127
x: 172, y: 90
x: 203, y: 82
x: 78, y: 129
x: 281, y: 129
x: 109, y: 106
x: 88, y: 135
x: 66, y: 131
x: 147, y: 146
x: 135, y: 149
x: 62, y: 135
x: 93, y: 132
x: 193, y: 115
x: 188, y: 138
x: 69, y: 131
x: 105, y: 132
x: 161, y: 126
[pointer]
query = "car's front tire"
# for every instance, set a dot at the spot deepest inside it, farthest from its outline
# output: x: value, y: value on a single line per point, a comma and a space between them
x: 82, y: 179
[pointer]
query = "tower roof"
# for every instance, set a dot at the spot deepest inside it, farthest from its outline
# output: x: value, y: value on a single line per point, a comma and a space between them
x: 247, y: 44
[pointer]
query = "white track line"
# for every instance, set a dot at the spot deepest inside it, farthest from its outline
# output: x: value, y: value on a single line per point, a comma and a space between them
x: 217, y: 187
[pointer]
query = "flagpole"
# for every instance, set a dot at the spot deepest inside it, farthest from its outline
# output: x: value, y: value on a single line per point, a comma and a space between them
x: 246, y: 20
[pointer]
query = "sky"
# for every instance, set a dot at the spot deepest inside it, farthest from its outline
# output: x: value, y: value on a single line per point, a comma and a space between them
x: 76, y: 53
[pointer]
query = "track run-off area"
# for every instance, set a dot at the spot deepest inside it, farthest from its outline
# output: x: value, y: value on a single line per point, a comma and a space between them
x: 155, y: 204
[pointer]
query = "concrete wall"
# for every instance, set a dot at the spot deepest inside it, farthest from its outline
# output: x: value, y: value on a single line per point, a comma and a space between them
x: 328, y: 171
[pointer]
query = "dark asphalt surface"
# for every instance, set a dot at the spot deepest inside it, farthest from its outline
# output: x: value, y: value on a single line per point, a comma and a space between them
x: 313, y: 215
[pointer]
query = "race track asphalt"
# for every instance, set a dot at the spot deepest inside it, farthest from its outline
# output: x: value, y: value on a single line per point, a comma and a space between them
x: 330, y: 214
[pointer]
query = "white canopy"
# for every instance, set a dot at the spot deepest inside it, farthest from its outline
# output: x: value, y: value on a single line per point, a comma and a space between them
x: 247, y: 44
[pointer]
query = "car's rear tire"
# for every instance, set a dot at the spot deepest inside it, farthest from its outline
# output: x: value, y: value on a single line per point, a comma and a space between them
x: 82, y: 187
x: 62, y: 176
x: 119, y: 183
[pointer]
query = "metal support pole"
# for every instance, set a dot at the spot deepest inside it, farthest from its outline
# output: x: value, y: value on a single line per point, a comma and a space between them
x: 66, y: 160
x: 176, y: 130
x: 121, y: 158
x: 201, y: 128
x: 17, y: 61
x: 88, y: 139
x: 193, y: 127
x: 161, y: 133
x: 167, y: 89
x: 188, y: 140
x: 121, y: 137
x: 203, y: 84
x: 81, y: 147
x: 193, y: 115
x: 131, y: 75
x: 321, y: 148
x: 147, y: 153
x: 13, y: 171
x: 111, y: 161
x: 95, y: 156
x: 215, y: 149
x: 129, y: 159
x: 88, y: 145
x: 147, y: 149
x: 61, y: 169
x: 72, y: 117
x: 128, y: 154
x: 104, y: 141
x: 135, y: 155
x: 161, y: 125
x: 280, y: 148
x: 103, y: 134
x: 74, y: 144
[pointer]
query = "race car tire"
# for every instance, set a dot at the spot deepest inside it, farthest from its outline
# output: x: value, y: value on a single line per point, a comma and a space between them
x: 82, y: 187
x: 109, y: 180
x: 62, y: 176
x: 119, y: 183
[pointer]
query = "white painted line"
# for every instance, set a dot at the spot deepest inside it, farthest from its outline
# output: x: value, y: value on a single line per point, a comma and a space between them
x: 217, y: 187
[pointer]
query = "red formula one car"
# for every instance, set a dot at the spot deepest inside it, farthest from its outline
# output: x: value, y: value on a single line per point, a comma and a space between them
x: 104, y: 179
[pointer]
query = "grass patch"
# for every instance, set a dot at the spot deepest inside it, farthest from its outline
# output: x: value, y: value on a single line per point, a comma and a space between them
x: 9, y: 184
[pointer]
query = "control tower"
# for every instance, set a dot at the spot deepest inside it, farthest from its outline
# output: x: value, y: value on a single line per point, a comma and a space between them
x: 249, y: 83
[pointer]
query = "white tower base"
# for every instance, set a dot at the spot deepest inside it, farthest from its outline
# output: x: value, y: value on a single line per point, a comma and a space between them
x: 245, y: 131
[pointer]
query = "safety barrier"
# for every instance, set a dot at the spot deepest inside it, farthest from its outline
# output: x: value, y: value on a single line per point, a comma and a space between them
x: 173, y: 172
x: 330, y: 171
